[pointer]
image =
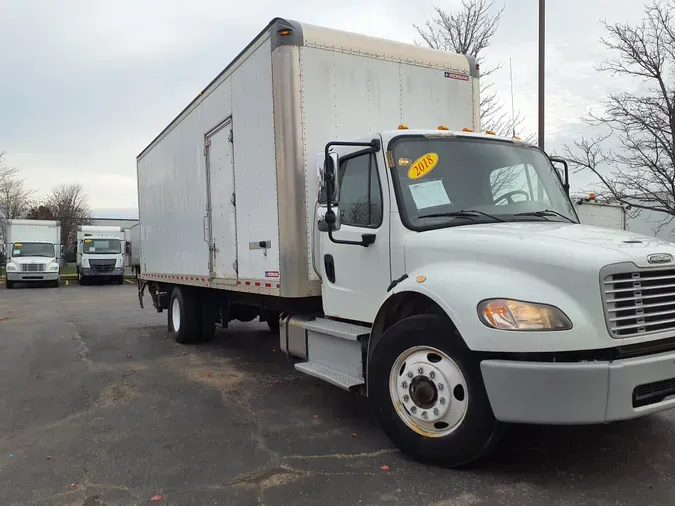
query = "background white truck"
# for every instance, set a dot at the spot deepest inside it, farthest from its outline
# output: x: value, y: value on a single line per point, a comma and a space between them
x: 600, y: 214
x: 100, y: 253
x: 33, y: 252
x: 440, y: 271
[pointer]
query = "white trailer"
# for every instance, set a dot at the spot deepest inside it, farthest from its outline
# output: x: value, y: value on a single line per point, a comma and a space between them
x: 100, y: 253
x: 601, y: 214
x: 33, y: 252
x: 447, y: 277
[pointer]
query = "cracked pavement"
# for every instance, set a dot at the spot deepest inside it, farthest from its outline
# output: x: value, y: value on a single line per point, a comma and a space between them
x: 100, y: 407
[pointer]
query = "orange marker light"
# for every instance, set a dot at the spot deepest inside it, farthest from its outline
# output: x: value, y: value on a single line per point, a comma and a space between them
x: 467, y: 129
x: 403, y: 127
x: 284, y: 33
x: 490, y: 132
x: 591, y: 196
x: 442, y: 127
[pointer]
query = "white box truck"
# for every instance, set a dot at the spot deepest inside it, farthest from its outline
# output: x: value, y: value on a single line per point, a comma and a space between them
x: 33, y: 252
x: 441, y: 271
x: 100, y: 253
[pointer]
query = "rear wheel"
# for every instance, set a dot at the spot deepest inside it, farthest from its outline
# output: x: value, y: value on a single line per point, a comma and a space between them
x: 184, y: 315
x: 427, y: 393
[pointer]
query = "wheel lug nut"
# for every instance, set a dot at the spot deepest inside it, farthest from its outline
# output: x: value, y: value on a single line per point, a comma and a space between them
x: 420, y: 370
x: 404, y: 384
x: 413, y: 409
x: 406, y: 398
x: 440, y: 386
x: 424, y: 415
x: 410, y: 374
x: 432, y: 375
x: 442, y: 400
x: 435, y: 411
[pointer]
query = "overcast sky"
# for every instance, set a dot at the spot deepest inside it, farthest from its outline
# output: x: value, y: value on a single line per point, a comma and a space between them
x: 85, y: 85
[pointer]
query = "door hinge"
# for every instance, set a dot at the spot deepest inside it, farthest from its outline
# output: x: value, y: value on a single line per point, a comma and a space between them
x: 207, y: 143
x: 231, y: 136
x: 233, y: 200
x: 235, y: 266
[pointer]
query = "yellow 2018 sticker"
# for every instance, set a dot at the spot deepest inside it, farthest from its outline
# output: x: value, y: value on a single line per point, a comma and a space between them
x: 423, y: 165
x: 18, y: 244
x: 87, y: 240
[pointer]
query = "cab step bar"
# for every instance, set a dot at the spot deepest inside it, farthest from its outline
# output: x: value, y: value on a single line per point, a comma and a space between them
x: 332, y: 349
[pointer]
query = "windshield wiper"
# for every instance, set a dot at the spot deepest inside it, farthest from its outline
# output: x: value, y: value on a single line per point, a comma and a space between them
x: 469, y: 213
x: 545, y: 213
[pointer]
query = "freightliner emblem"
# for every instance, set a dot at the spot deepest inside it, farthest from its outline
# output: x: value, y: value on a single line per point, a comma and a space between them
x: 660, y: 258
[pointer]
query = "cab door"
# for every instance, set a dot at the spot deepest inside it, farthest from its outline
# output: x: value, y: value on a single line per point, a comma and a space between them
x: 356, y: 278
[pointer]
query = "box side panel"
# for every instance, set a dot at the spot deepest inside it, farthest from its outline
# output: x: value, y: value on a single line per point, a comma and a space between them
x: 343, y: 97
x: 255, y: 168
x: 346, y: 96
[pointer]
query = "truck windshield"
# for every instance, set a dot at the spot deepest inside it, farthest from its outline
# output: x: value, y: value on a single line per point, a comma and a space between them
x: 450, y: 181
x: 101, y: 246
x: 33, y: 249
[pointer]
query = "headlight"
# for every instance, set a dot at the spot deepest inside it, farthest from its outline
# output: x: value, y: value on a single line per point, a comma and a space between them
x: 506, y: 314
x: 11, y: 267
x: 54, y: 267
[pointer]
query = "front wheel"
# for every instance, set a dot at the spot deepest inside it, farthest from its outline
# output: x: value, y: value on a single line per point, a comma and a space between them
x: 427, y: 393
x: 9, y: 284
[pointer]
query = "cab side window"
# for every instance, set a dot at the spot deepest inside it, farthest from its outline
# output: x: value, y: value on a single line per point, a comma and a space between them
x: 360, y: 192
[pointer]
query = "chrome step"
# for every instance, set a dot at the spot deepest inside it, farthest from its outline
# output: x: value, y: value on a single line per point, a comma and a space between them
x: 334, y: 328
x: 331, y: 376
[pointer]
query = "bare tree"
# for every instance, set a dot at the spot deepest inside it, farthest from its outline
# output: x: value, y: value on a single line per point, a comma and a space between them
x: 69, y: 205
x: 14, y: 196
x: 640, y: 170
x: 470, y: 31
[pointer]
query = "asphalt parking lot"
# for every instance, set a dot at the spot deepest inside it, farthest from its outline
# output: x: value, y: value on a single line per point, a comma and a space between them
x: 99, y: 406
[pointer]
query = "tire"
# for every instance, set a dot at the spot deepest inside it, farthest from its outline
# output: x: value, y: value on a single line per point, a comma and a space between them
x: 55, y: 283
x: 9, y: 284
x: 184, y: 317
x: 81, y: 280
x: 466, y: 428
x: 120, y: 280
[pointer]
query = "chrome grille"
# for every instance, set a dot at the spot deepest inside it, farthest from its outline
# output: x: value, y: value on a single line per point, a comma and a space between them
x: 32, y: 267
x: 640, y: 302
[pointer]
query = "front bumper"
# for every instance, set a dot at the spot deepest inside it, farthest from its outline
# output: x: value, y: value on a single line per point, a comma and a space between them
x: 580, y: 392
x: 88, y: 272
x: 27, y: 277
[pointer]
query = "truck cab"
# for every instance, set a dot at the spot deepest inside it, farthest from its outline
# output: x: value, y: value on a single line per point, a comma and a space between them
x: 32, y: 261
x: 479, y: 296
x: 100, y: 256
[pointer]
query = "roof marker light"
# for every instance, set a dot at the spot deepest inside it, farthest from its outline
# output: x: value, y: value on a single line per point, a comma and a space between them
x: 490, y: 132
x: 467, y: 129
x: 442, y: 127
x: 403, y: 127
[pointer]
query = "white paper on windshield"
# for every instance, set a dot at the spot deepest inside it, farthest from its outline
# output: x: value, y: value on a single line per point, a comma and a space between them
x: 91, y: 250
x: 429, y: 194
x: 17, y: 252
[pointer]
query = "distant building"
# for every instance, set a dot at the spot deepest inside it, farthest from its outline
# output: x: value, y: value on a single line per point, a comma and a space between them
x: 114, y: 222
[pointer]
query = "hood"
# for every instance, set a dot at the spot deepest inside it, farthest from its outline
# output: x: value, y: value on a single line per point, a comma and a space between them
x: 550, y: 244
x: 33, y: 260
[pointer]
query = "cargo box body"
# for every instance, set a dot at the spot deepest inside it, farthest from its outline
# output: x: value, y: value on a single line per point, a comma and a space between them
x: 227, y: 190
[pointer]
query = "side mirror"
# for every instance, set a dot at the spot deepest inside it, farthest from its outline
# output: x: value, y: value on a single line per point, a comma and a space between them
x: 127, y: 248
x: 563, y: 173
x: 324, y: 167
